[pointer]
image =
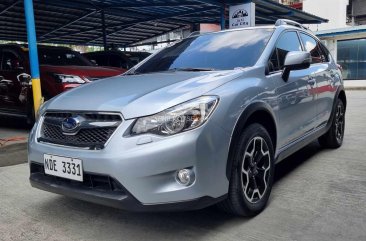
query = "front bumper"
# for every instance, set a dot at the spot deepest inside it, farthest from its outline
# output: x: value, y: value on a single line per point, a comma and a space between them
x: 145, y: 171
x: 121, y: 199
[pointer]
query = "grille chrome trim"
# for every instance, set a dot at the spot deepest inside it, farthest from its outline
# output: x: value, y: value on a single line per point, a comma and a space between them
x: 94, y: 133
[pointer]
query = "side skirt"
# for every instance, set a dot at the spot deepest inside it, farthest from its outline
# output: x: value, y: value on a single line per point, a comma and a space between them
x: 301, y: 142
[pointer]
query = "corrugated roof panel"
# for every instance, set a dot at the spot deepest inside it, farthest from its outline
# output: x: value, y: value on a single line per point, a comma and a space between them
x: 127, y: 21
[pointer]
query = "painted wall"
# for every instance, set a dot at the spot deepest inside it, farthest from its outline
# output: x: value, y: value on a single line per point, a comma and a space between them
x: 334, y: 10
x: 206, y: 27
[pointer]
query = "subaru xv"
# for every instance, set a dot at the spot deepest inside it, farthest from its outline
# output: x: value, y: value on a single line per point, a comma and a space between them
x: 201, y: 122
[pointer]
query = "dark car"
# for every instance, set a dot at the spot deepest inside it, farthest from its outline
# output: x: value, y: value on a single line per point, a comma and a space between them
x: 110, y: 58
x: 136, y: 57
x: 60, y: 68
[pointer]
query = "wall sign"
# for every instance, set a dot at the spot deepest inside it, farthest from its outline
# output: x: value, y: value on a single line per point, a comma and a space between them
x: 242, y: 16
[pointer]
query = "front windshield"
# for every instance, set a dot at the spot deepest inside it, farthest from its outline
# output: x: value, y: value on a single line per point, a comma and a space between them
x: 62, y: 57
x: 218, y: 51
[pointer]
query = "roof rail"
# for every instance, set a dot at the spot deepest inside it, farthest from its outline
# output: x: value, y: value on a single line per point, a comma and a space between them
x: 280, y: 22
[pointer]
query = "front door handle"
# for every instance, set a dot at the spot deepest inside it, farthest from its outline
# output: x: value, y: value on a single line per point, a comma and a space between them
x: 311, y: 81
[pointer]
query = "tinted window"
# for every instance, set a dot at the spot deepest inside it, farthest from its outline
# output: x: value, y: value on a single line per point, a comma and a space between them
x: 10, y: 61
x: 222, y: 51
x: 117, y: 61
x: 325, y: 53
x: 287, y: 42
x: 313, y: 46
x: 61, y: 57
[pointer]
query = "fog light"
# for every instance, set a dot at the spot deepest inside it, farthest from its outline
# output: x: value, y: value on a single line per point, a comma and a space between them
x: 185, y: 176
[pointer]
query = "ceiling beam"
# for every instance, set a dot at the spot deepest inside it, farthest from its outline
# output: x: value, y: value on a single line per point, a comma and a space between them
x: 160, y: 17
x: 6, y: 8
x: 69, y: 23
x: 119, y: 27
x: 217, y: 3
x: 142, y: 5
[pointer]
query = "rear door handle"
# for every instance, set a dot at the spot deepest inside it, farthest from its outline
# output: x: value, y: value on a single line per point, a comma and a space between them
x: 311, y: 81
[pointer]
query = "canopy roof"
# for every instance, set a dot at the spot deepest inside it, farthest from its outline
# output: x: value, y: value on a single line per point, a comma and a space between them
x: 126, y: 21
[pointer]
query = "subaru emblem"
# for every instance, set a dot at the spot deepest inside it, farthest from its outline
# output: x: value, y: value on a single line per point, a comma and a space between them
x: 70, y: 124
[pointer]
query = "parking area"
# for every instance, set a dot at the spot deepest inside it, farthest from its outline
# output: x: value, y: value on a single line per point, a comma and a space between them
x: 318, y: 195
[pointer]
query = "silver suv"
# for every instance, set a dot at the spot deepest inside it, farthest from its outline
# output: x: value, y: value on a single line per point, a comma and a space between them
x: 202, y: 122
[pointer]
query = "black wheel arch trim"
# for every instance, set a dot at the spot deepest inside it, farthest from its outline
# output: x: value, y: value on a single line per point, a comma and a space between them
x: 241, y: 124
x: 340, y: 91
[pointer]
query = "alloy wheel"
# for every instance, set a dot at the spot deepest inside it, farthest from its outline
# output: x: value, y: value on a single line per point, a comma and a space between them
x: 339, y: 123
x: 255, y: 170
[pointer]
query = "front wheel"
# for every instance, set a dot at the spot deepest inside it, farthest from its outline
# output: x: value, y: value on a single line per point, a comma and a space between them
x: 334, y: 137
x: 252, y: 173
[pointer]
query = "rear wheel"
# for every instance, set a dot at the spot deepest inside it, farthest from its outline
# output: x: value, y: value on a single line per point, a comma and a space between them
x: 252, y: 173
x: 334, y: 137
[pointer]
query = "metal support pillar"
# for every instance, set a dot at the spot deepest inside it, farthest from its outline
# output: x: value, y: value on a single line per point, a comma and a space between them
x: 104, y: 31
x: 33, y: 54
x: 222, y: 22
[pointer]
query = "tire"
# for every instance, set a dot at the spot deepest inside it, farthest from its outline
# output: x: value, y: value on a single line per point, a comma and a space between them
x: 247, y: 197
x: 334, y: 137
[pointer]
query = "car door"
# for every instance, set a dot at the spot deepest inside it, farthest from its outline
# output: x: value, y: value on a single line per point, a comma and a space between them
x: 11, y: 98
x: 321, y: 71
x: 295, y: 99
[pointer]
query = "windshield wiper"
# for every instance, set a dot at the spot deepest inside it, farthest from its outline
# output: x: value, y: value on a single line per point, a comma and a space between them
x: 193, y: 69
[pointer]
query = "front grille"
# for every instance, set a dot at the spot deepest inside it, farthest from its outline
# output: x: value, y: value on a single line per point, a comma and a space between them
x: 93, y: 133
x: 91, y: 181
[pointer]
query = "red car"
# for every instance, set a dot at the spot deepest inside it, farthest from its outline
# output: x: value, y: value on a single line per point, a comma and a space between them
x: 60, y: 68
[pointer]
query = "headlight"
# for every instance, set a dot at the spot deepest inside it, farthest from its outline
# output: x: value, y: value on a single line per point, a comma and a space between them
x: 186, y: 116
x: 68, y: 79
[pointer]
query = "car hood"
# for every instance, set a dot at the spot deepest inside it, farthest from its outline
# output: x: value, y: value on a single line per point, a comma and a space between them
x: 86, y: 71
x: 141, y: 95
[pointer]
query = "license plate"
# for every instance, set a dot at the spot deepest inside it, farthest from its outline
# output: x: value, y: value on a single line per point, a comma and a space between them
x: 66, y: 167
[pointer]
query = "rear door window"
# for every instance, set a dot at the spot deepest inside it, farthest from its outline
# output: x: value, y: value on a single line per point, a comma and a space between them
x: 289, y: 41
x: 313, y: 47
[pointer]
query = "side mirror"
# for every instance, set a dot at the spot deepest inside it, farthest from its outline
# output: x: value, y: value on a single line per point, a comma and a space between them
x: 24, y: 78
x: 295, y: 60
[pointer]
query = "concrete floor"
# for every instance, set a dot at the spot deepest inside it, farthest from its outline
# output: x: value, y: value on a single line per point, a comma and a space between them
x: 318, y: 195
x: 11, y: 127
x: 13, y: 141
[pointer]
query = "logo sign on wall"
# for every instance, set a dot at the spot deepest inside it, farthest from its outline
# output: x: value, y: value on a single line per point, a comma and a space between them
x: 242, y: 16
